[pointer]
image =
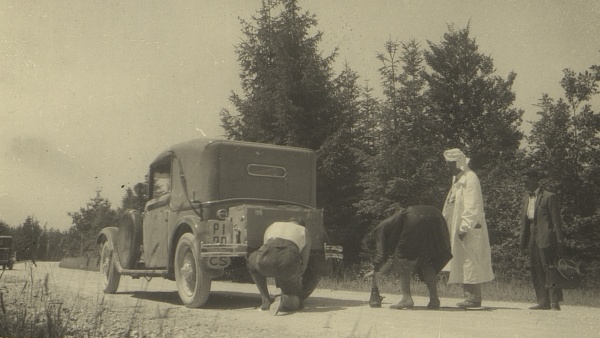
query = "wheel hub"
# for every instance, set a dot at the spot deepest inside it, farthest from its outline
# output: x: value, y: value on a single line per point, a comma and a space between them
x: 188, y: 272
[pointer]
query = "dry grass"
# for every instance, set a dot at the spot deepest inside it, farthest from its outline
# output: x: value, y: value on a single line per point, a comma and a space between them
x: 27, y: 309
x: 508, y: 291
x: 31, y: 308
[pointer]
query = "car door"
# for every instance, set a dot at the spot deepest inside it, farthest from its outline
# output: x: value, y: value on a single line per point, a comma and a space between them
x: 156, y: 213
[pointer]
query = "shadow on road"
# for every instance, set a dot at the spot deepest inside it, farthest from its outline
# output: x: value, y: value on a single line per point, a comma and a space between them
x: 228, y: 300
x: 221, y: 300
x: 326, y: 304
x: 169, y: 297
x: 218, y: 300
x: 483, y: 308
x: 232, y: 300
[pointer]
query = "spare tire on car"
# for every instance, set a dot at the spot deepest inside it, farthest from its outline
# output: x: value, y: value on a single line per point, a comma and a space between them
x: 129, y: 238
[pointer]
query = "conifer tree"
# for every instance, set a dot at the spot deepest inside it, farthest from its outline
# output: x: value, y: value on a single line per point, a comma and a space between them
x: 473, y: 106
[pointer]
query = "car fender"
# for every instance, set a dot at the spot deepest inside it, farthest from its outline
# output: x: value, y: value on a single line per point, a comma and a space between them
x: 185, y: 224
x: 107, y: 234
x: 200, y: 231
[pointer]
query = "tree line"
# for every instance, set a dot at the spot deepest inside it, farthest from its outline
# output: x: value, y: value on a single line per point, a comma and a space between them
x: 378, y: 153
x: 33, y: 241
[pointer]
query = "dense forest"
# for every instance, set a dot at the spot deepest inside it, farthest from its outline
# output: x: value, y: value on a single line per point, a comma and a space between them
x: 378, y: 153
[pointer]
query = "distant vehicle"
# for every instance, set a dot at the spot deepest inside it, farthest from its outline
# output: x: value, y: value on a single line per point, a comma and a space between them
x: 8, y: 257
x: 209, y: 204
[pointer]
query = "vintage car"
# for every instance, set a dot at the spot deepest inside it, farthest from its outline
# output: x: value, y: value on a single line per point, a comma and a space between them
x: 209, y: 204
x: 8, y: 256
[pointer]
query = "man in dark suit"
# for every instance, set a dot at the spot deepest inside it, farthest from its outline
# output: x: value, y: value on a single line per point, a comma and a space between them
x: 541, y: 234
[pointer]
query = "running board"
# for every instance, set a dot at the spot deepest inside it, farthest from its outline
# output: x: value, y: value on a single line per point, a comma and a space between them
x: 136, y: 272
x: 143, y: 273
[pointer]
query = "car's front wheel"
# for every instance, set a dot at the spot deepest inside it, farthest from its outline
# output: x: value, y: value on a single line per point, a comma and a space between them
x: 193, y: 285
x: 110, y: 276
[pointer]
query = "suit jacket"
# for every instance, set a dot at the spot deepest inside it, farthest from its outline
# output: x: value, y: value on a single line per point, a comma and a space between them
x: 547, y: 221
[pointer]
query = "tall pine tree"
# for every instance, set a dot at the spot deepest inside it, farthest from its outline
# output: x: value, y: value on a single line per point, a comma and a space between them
x: 287, y: 84
x: 473, y: 106
x: 291, y: 97
x: 401, y: 170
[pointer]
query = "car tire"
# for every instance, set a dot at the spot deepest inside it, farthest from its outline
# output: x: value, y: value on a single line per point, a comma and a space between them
x: 312, y: 276
x: 193, y: 285
x: 129, y: 238
x: 110, y: 276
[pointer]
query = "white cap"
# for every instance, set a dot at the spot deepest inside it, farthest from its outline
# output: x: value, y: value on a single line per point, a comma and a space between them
x: 456, y: 155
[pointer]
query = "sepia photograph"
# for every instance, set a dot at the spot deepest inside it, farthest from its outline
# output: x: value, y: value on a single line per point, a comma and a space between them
x: 300, y: 168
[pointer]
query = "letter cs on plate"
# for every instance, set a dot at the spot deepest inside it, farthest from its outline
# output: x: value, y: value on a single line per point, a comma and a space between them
x: 221, y: 233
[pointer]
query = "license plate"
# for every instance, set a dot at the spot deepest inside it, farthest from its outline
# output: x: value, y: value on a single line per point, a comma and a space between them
x: 218, y: 262
x: 221, y: 231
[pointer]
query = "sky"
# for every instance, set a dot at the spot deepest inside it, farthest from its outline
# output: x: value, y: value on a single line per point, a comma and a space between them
x: 92, y: 91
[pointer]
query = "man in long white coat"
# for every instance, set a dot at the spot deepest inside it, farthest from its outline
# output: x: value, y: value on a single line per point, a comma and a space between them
x: 471, y: 264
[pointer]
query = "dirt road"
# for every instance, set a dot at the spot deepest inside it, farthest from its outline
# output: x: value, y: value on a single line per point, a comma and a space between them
x: 153, y: 309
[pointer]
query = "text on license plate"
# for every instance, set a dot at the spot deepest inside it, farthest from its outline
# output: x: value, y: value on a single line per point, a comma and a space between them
x: 221, y: 232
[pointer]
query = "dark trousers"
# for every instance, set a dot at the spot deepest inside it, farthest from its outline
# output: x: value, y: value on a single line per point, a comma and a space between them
x: 281, y: 259
x: 539, y: 258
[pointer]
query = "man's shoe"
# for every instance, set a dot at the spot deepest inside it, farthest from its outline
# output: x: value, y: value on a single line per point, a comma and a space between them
x: 555, y: 307
x: 539, y: 307
x: 375, y: 300
x: 467, y: 304
x: 266, y: 304
x: 434, y: 304
x: 402, y: 305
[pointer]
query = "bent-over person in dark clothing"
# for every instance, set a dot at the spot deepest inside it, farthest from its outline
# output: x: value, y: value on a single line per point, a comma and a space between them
x: 284, y: 255
x: 413, y: 239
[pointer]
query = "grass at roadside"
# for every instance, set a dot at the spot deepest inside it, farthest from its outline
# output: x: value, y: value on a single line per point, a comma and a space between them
x: 81, y: 263
x: 507, y: 291
x: 31, y: 307
x: 28, y: 310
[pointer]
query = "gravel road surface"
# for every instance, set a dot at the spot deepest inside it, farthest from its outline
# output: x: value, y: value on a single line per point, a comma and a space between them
x: 153, y: 309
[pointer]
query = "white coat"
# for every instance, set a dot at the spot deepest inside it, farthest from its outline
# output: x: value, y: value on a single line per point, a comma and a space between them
x: 463, y: 211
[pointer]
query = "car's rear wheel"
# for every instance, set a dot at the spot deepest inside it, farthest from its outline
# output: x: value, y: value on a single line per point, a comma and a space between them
x: 193, y: 285
x: 312, y: 275
x: 110, y: 276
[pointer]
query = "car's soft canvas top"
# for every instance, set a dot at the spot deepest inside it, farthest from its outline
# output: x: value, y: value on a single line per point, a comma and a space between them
x: 223, y: 169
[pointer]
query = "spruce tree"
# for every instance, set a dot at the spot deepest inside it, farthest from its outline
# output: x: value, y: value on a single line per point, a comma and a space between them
x: 473, y: 106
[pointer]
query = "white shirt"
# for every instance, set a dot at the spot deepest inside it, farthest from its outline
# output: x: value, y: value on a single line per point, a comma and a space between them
x: 287, y: 230
x: 531, y: 205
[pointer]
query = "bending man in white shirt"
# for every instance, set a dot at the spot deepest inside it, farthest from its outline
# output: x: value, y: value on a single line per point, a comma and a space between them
x: 284, y: 255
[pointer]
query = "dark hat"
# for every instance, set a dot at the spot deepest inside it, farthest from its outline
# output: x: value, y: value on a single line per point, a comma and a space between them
x: 568, y: 268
